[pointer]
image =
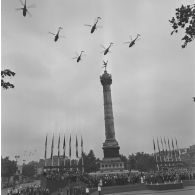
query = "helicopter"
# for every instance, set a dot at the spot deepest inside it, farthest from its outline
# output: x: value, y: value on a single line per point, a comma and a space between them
x: 57, y: 36
x: 78, y: 57
x: 24, y: 8
x: 132, y: 42
x: 105, y: 64
x: 106, y: 50
x: 94, y: 26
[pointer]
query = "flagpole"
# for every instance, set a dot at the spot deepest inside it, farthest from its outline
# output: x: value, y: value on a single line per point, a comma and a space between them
x: 59, y: 152
x: 64, y: 151
x: 159, y: 151
x: 174, y: 151
x: 82, y: 162
x: 166, y: 152
x: 52, y: 146
x: 45, y: 151
x: 77, y: 155
x: 155, y: 155
x: 179, y: 156
x: 170, y: 152
x: 70, y: 151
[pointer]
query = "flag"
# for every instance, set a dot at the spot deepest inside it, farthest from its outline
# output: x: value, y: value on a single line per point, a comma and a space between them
x: 82, y: 161
x: 64, y: 150
x: 173, y: 145
x: 159, y: 150
x: 64, y: 147
x: 81, y: 146
x: 169, y: 145
x: 174, y: 152
x: 70, y: 146
x: 59, y: 146
x: 52, y: 146
x: 163, y: 149
x: 179, y: 155
x: 154, y: 146
x: 170, y: 150
x: 166, y: 152
x: 155, y: 152
x: 77, y: 155
x: 45, y: 148
x: 158, y: 146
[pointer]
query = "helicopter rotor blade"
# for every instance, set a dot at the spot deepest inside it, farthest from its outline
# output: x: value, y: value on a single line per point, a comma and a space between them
x: 87, y: 25
x: 32, y: 6
x: 102, y: 46
x: 29, y: 13
x: 127, y: 42
x: 21, y: 2
x: 74, y: 57
x: 18, y: 9
x: 61, y: 36
x: 52, y: 33
x: 99, y: 26
x: 130, y: 37
x: 76, y: 53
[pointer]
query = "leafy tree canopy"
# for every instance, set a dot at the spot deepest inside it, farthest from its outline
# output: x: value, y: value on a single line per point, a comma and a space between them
x: 28, y: 170
x: 6, y: 73
x: 184, y: 18
x: 8, y: 167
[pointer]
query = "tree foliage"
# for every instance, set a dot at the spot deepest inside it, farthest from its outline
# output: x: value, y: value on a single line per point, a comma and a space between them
x: 91, y: 163
x: 8, y: 167
x: 141, y: 161
x: 28, y: 170
x: 6, y: 73
x: 184, y: 18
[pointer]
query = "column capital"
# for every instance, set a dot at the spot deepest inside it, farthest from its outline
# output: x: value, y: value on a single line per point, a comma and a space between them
x: 106, y: 79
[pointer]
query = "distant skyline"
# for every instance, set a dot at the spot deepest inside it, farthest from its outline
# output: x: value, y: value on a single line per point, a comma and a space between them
x: 153, y: 81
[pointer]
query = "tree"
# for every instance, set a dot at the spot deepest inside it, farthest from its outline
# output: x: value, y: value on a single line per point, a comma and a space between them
x: 91, y: 163
x: 141, y: 161
x: 8, y: 167
x: 5, y: 73
x: 125, y: 160
x: 28, y: 170
x: 185, y: 18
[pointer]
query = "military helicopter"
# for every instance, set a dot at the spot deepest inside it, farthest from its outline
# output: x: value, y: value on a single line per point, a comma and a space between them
x: 94, y: 26
x: 105, y: 64
x: 106, y: 50
x: 24, y: 8
x: 57, y: 36
x: 132, y: 42
x: 78, y: 57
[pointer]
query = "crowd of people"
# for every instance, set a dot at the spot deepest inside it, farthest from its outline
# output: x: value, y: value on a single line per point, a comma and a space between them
x: 62, y: 178
x: 65, y: 177
x: 28, y: 190
x: 170, y: 175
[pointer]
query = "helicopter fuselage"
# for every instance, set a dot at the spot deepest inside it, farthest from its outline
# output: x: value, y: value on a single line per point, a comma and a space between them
x: 24, y: 11
x: 79, y: 58
x: 56, y: 37
x: 93, y: 28
x: 132, y: 43
x: 106, y: 51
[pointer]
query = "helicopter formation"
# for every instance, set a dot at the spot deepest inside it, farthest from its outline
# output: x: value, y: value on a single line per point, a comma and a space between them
x: 93, y: 28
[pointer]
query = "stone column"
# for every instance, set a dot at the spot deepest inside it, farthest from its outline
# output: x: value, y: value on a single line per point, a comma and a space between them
x: 110, y: 146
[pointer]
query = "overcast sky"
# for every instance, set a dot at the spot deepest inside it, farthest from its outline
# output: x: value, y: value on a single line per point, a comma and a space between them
x: 153, y: 82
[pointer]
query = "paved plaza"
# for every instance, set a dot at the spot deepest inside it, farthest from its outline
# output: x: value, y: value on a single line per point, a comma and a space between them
x: 190, y: 190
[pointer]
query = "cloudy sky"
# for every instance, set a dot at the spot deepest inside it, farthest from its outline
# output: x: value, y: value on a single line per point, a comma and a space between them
x: 153, y: 82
